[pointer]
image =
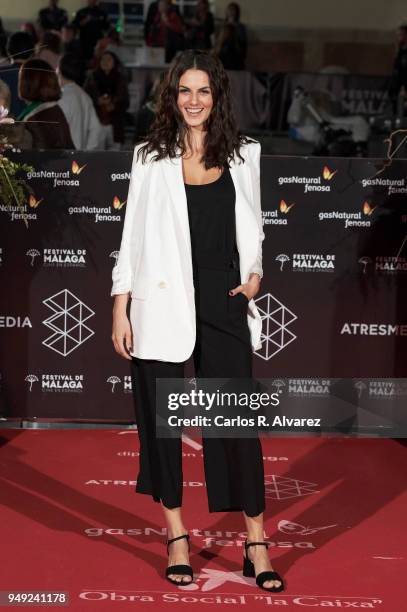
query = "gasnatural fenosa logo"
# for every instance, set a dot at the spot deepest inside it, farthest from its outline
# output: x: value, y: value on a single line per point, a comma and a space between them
x: 350, y: 219
x: 279, y: 216
x: 60, y: 178
x: 311, y: 184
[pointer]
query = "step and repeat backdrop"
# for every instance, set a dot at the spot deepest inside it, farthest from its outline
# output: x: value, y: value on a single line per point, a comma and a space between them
x: 333, y: 297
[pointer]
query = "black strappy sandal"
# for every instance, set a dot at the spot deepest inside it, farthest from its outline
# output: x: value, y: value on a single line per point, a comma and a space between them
x: 179, y: 569
x: 248, y: 571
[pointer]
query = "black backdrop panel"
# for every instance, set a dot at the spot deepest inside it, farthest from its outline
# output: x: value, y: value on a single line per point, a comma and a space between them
x: 333, y: 297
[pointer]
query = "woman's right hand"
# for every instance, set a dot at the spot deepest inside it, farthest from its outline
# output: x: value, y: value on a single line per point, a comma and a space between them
x: 122, y: 336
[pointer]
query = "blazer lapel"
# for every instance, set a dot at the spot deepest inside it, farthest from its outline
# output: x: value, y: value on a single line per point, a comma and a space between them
x: 173, y: 182
x: 174, y: 179
x: 246, y: 224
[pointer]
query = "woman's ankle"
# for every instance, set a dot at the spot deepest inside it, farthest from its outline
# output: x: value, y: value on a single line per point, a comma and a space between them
x: 254, y: 537
x: 175, y: 532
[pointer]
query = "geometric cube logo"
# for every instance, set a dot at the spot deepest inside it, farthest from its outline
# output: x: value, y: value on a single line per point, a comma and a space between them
x: 67, y: 322
x: 276, y: 318
x: 282, y: 487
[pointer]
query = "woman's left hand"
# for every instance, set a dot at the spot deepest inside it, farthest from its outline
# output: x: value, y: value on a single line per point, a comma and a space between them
x: 249, y: 289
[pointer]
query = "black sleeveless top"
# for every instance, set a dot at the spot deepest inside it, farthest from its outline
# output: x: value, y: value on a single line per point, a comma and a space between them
x: 211, y: 212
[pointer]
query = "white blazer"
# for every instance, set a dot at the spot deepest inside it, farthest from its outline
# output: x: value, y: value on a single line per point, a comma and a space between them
x: 155, y: 258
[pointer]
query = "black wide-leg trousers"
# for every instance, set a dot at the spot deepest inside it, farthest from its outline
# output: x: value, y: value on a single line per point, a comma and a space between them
x: 234, y: 470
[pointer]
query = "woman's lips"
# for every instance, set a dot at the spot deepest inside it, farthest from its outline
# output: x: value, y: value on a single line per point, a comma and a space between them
x: 193, y: 111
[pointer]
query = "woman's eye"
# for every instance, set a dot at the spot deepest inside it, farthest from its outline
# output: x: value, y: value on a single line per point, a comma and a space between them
x: 185, y: 91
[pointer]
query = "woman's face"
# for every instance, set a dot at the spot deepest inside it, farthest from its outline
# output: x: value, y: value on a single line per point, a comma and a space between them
x: 67, y: 35
x: 163, y: 6
x: 231, y: 13
x: 106, y: 62
x: 195, y: 100
x: 202, y: 5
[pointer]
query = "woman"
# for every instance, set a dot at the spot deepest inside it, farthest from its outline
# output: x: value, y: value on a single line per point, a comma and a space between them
x: 231, y: 43
x: 31, y: 30
x: 227, y: 49
x: 192, y: 291
x: 6, y: 119
x: 200, y: 27
x: 5, y: 95
x: 146, y: 114
x: 45, y: 125
x: 112, y: 39
x: 49, y: 48
x: 165, y: 28
x: 107, y: 86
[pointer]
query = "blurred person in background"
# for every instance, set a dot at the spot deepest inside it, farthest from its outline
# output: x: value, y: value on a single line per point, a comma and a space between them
x: 85, y: 127
x: 70, y: 42
x: 110, y: 42
x: 200, y: 27
x: 151, y: 13
x: 31, y: 30
x: 19, y: 47
x: 5, y: 100
x: 44, y: 124
x: 317, y: 117
x: 165, y: 29
x: 5, y: 95
x: 398, y: 79
x: 3, y: 40
x: 107, y: 86
x: 49, y: 48
x: 92, y: 22
x: 227, y: 48
x: 146, y: 114
x: 150, y: 17
x: 52, y: 17
x: 232, y: 17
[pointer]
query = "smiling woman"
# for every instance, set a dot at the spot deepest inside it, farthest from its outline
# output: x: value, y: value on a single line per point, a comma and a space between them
x: 191, y: 257
x: 195, y: 98
x: 195, y: 101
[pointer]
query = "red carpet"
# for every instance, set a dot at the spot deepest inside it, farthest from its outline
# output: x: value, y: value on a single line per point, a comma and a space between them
x: 71, y: 521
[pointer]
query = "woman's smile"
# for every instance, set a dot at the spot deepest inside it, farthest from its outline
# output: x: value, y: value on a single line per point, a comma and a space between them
x: 195, y: 99
x: 194, y: 111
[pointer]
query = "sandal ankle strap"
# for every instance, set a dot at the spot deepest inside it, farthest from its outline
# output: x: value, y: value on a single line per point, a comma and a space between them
x: 247, y: 544
x: 185, y: 535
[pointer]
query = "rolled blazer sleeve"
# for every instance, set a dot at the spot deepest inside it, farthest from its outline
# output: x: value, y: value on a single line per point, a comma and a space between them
x: 255, y: 175
x: 122, y: 272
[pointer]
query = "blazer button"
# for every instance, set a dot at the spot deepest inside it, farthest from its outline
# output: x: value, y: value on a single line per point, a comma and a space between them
x: 162, y: 284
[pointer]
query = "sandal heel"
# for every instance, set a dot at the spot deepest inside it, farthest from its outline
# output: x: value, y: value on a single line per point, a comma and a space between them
x: 248, y: 568
x: 262, y: 577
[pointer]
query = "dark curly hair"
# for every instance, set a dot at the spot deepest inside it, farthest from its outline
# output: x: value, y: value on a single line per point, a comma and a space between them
x: 168, y: 130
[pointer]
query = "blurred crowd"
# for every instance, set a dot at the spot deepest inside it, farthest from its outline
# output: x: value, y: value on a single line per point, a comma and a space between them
x: 317, y: 116
x: 64, y: 81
